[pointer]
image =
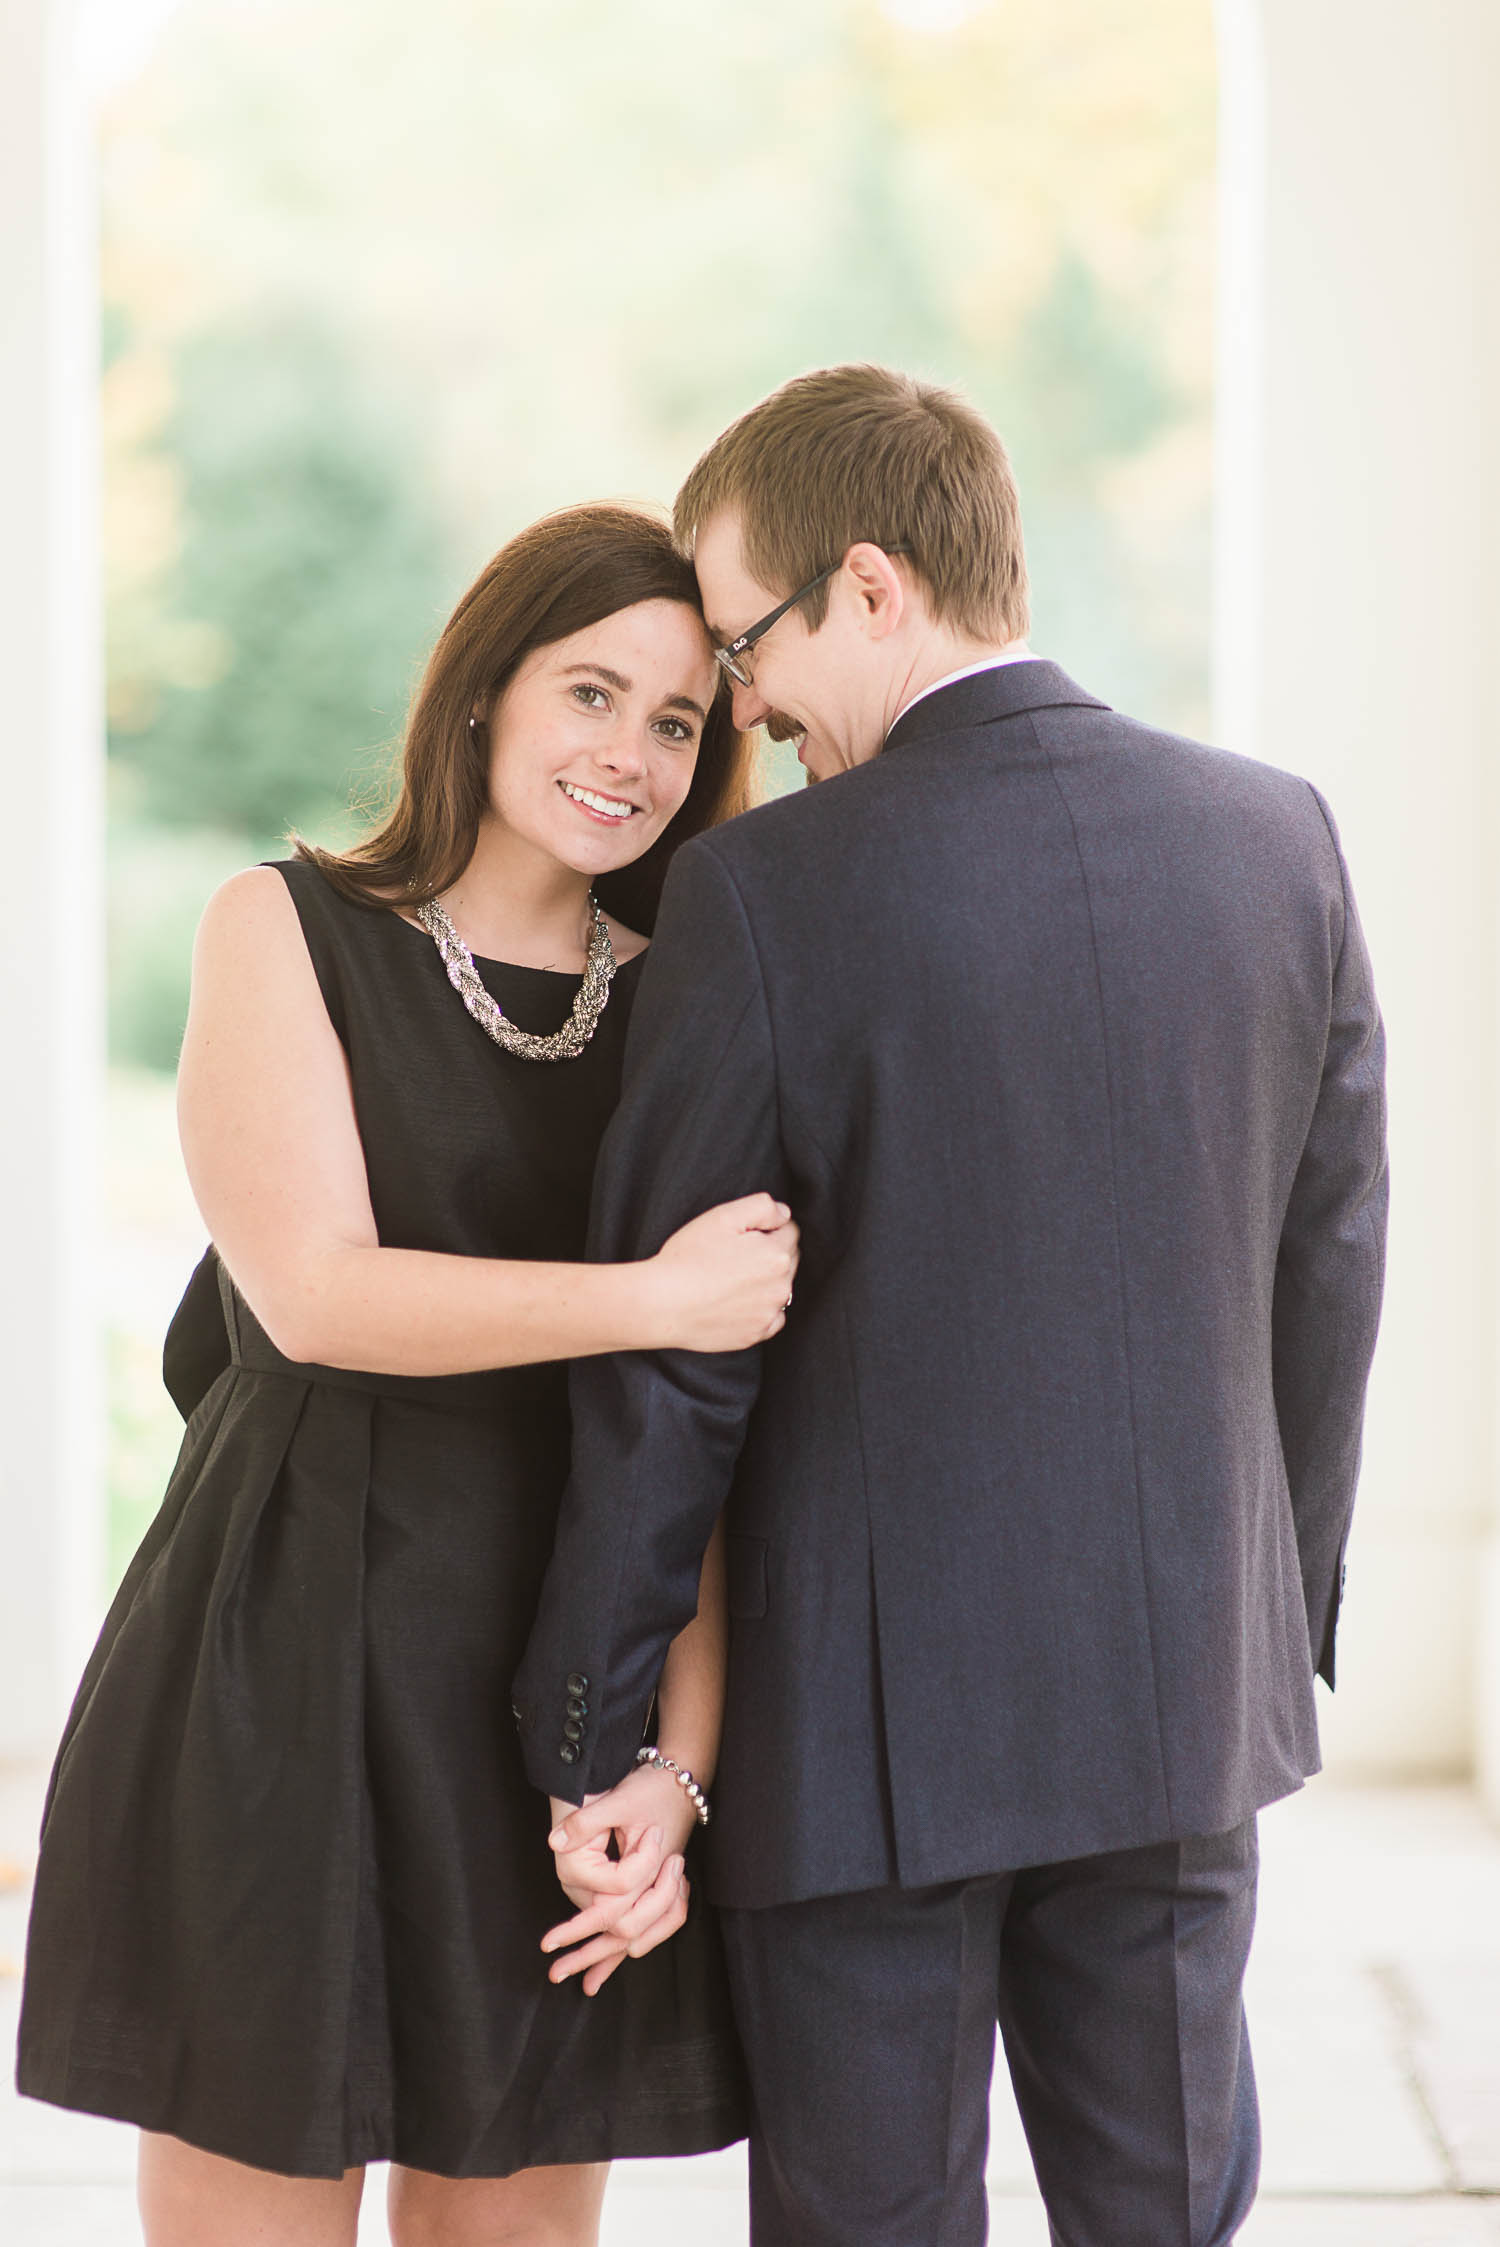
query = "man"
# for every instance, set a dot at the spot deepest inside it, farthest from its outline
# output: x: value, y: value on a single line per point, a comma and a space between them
x: 1058, y: 1034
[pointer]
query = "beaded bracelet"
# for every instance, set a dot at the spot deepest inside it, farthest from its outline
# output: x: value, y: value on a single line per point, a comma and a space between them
x: 685, y: 1780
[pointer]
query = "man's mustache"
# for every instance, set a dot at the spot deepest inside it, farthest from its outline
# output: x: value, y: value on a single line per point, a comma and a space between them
x: 782, y: 728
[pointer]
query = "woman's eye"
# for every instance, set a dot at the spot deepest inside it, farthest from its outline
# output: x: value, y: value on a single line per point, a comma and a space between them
x: 584, y: 690
x: 677, y: 730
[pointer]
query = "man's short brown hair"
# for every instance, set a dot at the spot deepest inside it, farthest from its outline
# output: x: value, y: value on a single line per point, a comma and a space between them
x: 852, y: 453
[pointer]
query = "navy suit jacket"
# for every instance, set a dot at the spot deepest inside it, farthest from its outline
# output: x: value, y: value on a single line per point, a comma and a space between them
x: 1058, y: 1035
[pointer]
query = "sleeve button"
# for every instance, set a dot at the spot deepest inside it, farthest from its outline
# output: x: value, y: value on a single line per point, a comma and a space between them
x: 577, y: 1683
x: 573, y: 1730
x: 568, y: 1752
x: 578, y: 1707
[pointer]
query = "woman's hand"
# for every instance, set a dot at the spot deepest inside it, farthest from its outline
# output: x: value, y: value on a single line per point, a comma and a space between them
x: 626, y: 1905
x: 724, y: 1281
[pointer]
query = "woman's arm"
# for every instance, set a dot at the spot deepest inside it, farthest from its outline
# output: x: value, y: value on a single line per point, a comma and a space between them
x: 266, y: 1115
x: 690, y: 1697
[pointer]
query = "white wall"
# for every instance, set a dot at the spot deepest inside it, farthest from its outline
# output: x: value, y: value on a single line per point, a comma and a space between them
x: 1359, y: 589
x: 51, y: 995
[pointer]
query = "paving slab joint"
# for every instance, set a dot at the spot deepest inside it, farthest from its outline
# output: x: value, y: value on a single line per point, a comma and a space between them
x: 1410, y: 2023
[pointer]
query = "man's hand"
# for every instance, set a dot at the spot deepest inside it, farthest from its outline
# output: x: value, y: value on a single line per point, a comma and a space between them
x: 629, y: 1903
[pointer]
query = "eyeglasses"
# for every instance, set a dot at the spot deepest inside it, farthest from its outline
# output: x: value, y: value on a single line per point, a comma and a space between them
x: 732, y: 656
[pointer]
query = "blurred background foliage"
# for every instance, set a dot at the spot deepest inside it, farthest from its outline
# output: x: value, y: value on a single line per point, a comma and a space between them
x: 382, y: 284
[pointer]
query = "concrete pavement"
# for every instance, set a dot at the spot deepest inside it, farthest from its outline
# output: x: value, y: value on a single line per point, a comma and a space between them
x: 1374, y: 2011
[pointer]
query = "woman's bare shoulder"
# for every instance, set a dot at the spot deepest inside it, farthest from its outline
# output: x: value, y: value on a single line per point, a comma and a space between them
x: 255, y: 898
x: 251, y: 923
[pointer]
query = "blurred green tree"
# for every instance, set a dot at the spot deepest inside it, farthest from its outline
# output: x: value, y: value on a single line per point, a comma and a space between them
x: 536, y: 255
x: 311, y: 576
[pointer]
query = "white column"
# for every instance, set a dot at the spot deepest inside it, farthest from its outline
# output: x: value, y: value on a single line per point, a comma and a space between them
x: 51, y: 944
x: 1358, y: 595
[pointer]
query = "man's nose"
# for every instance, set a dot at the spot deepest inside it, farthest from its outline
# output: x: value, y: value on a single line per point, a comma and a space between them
x: 750, y: 708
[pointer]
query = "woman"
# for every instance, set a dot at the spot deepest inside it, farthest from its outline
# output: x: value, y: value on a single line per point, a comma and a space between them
x: 293, y: 1884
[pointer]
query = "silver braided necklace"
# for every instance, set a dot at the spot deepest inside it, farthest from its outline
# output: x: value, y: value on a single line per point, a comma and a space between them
x: 558, y: 1045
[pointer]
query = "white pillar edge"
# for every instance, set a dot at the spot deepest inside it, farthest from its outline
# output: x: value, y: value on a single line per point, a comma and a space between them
x: 1410, y: 184
x: 52, y: 1001
x: 1239, y: 378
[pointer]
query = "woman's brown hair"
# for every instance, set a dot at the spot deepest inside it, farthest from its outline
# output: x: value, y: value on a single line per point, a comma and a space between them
x: 558, y: 577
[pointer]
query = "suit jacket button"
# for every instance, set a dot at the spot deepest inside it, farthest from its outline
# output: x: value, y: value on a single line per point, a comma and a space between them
x: 577, y: 1683
x: 568, y: 1752
x: 576, y: 1707
x: 572, y: 1730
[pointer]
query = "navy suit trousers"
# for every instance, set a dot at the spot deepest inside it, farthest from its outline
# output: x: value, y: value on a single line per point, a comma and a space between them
x: 869, y: 2021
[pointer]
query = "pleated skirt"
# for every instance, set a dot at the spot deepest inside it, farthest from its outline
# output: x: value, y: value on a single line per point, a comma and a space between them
x: 292, y: 1879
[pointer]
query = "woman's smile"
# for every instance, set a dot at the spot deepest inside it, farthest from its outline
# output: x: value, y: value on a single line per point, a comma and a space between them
x: 608, y: 811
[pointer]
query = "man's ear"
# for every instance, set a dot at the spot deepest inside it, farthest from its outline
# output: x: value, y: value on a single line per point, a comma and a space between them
x: 877, y: 587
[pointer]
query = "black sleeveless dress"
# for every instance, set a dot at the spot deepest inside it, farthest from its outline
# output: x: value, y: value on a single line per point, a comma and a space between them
x: 293, y: 1878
